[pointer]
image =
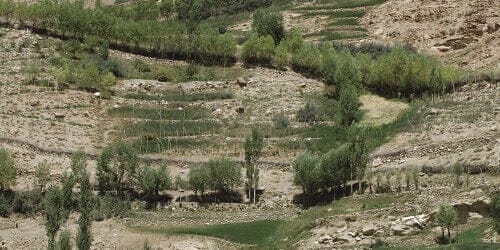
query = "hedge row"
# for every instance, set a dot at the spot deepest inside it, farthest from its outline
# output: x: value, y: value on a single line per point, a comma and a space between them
x: 166, y: 39
x: 397, y: 71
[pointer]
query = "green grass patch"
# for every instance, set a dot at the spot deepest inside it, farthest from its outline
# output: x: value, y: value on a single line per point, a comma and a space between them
x: 345, y: 4
x: 345, y: 22
x: 181, y: 97
x: 253, y: 233
x: 139, y: 69
x: 279, y: 234
x: 155, y: 129
x: 336, y: 14
x: 332, y: 35
x: 332, y: 136
x: 149, y: 145
x: 475, y: 234
x: 187, y: 113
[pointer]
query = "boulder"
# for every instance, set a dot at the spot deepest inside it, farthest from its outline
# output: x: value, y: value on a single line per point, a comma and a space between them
x: 400, y: 230
x: 481, y: 206
x: 369, y: 229
x: 342, y: 238
x: 242, y: 82
x: 240, y: 110
x: 377, y: 162
x: 59, y: 116
x: 463, y: 210
x: 325, y: 239
x: 475, y: 216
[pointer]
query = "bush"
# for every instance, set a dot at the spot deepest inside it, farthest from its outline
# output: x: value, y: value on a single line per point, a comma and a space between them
x: 495, y: 211
x: 53, y: 214
x: 349, y: 105
x: 258, y: 50
x: 28, y: 202
x: 42, y: 175
x: 446, y: 218
x: 290, y: 45
x: 141, y: 66
x: 225, y: 174
x: 64, y: 242
x: 199, y: 179
x: 7, y: 170
x: 305, y: 169
x: 5, y: 205
x: 108, y: 206
x: 307, y: 60
x: 270, y: 23
x: 116, y: 167
x: 281, y: 121
x: 307, y: 114
x: 151, y: 181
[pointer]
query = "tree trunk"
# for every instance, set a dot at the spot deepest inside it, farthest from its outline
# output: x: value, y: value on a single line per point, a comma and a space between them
x: 254, y: 185
x: 449, y: 233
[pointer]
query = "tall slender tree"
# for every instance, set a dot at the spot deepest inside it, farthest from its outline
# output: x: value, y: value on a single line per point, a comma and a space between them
x: 84, y: 236
x: 253, y: 151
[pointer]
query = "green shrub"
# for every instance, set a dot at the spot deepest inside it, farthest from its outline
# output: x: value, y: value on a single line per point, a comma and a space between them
x: 7, y: 170
x: 446, y: 218
x: 224, y: 174
x: 5, y: 205
x: 306, y: 174
x: 281, y: 121
x: 307, y: 60
x: 349, y: 105
x: 116, y: 167
x: 258, y: 50
x: 290, y: 45
x: 151, y: 181
x: 495, y: 211
x: 199, y: 179
x: 307, y: 114
x: 141, y: 66
x: 109, y: 206
x: 270, y: 23
x: 42, y: 175
x: 64, y: 242
x: 53, y: 214
x: 28, y: 202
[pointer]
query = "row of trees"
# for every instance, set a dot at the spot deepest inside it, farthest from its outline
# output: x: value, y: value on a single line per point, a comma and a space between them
x: 395, y: 72
x: 333, y: 169
x: 118, y: 170
x: 169, y: 38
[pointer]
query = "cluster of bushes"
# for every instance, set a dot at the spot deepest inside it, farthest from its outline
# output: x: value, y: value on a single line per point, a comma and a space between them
x: 331, y: 170
x: 87, y: 66
x: 220, y: 175
x: 168, y: 39
x: 201, y: 9
x: 118, y: 172
x: 397, y: 71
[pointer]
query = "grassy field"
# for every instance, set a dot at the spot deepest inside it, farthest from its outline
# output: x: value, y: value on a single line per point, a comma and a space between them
x: 344, y: 4
x: 251, y: 233
x: 282, y: 234
x: 187, y: 113
x: 181, y: 97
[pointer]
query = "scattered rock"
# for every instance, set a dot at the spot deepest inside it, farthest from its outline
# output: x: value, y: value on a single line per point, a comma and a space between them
x: 59, y: 116
x: 242, y: 82
x: 475, y: 216
x: 369, y: 229
x: 240, y: 110
x: 325, y: 239
x: 377, y: 162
